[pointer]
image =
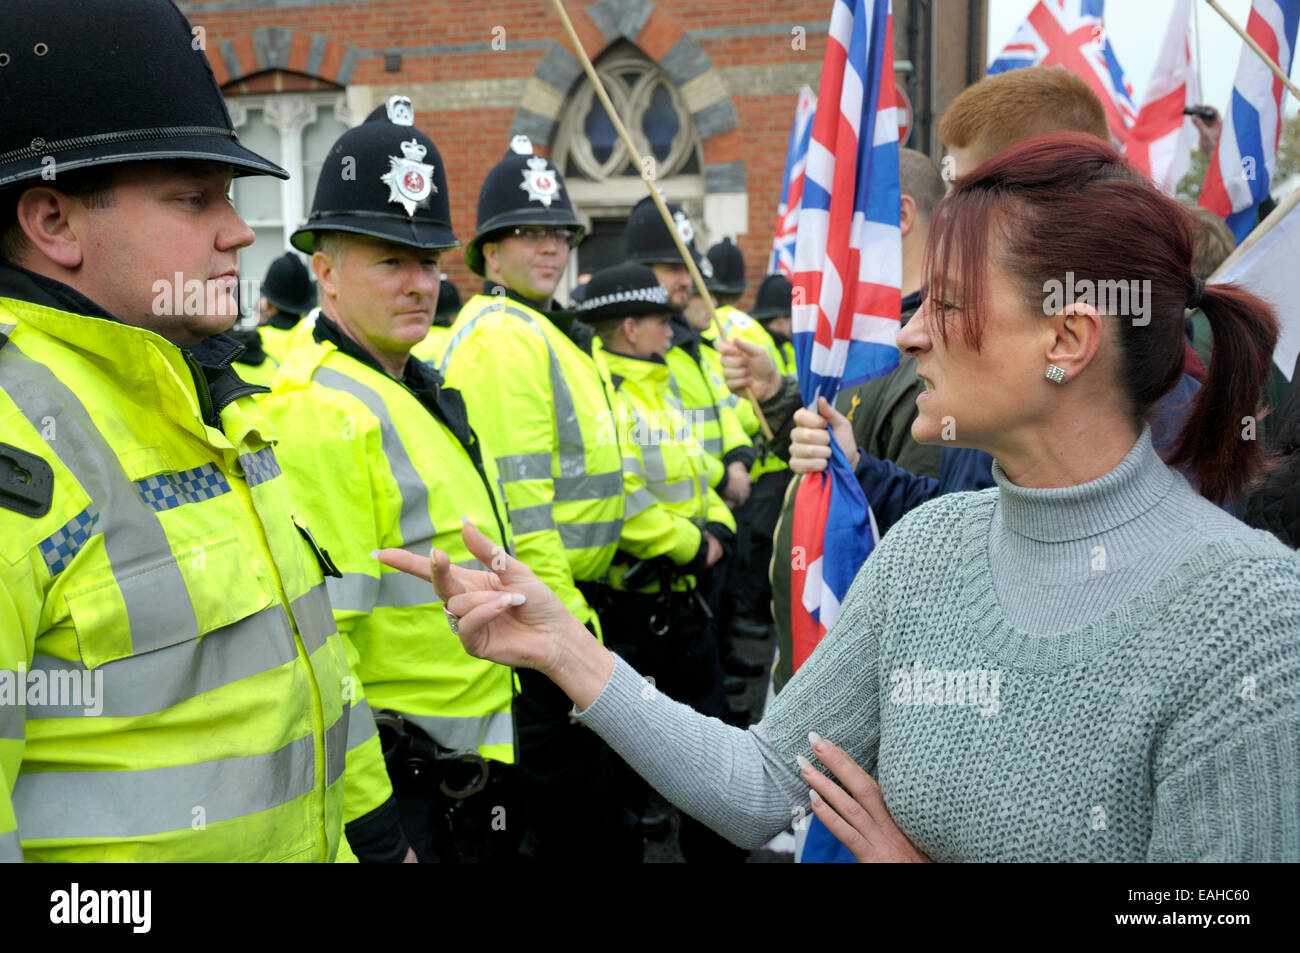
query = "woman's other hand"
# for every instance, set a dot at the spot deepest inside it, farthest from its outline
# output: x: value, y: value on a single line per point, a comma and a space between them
x: 810, y: 441
x: 855, y: 813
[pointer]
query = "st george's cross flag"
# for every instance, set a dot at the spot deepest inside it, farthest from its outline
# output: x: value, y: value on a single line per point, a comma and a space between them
x: 1160, y: 142
x: 845, y: 309
x: 1241, y: 170
x: 1072, y: 34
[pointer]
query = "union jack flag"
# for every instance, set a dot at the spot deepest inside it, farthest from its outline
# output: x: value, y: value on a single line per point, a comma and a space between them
x: 787, y: 212
x: 1071, y: 33
x: 845, y: 308
x: 1242, y: 168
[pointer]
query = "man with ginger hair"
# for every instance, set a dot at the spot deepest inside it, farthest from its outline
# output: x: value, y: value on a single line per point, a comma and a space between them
x: 999, y: 111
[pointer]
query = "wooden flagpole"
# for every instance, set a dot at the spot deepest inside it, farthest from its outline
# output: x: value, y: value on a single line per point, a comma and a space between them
x: 654, y: 193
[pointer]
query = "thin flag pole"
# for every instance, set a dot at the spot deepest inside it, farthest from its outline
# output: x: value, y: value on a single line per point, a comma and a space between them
x: 1196, y: 29
x: 1250, y: 41
x: 599, y: 87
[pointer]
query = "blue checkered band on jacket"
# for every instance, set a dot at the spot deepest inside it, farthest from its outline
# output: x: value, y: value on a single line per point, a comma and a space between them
x: 66, y: 542
x: 260, y: 466
x: 169, y: 490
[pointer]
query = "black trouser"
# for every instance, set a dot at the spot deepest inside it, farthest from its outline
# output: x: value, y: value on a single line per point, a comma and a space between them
x: 755, y: 527
x: 443, y: 827
x: 669, y: 638
x: 565, y: 787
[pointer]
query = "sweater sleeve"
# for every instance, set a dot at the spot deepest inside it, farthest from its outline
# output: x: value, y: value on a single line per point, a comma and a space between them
x: 1226, y: 770
x: 745, y: 784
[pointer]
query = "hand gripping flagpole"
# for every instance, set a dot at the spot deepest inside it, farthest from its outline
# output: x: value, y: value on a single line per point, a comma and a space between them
x: 1250, y: 41
x: 647, y: 178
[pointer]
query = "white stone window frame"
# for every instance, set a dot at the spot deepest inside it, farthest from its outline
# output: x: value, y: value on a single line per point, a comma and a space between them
x: 605, y: 195
x: 289, y: 114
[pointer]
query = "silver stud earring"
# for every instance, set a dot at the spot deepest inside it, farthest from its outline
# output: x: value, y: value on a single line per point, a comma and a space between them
x: 1055, y: 374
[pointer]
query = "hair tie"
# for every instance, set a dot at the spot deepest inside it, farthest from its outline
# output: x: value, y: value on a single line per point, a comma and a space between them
x: 1198, y: 291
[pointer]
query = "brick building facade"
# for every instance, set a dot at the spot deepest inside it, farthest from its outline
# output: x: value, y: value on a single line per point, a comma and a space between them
x: 707, y: 87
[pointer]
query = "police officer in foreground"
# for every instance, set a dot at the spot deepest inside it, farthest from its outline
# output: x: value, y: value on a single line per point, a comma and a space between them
x: 539, y: 396
x: 150, y: 552
x: 287, y: 294
x: 381, y: 455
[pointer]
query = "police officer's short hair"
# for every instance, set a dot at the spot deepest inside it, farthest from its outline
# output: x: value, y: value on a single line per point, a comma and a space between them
x: 334, y: 245
x: 94, y: 186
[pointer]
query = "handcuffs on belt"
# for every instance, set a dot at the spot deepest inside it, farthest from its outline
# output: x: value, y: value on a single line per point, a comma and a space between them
x: 402, y: 745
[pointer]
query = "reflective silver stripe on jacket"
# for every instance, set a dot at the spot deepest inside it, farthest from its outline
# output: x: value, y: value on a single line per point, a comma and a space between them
x: 638, y: 501
x: 468, y: 734
x: 573, y: 458
x: 415, y: 524
x: 361, y: 725
x: 158, y: 605
x: 711, y: 445
x: 315, y: 620
x: 12, y: 715
x: 590, y: 535
x: 97, y: 804
x: 336, y: 746
x: 360, y: 592
x: 152, y: 683
x: 532, y: 519
x: 11, y: 848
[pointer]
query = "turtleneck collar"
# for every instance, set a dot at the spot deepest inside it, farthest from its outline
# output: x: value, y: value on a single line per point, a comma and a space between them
x: 1062, y: 514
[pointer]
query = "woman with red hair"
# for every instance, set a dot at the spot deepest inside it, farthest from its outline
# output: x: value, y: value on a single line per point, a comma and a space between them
x: 1087, y: 662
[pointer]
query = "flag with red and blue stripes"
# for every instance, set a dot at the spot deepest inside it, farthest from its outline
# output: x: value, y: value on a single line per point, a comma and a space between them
x: 1071, y: 33
x: 1241, y: 170
x: 845, y: 308
x: 787, y: 211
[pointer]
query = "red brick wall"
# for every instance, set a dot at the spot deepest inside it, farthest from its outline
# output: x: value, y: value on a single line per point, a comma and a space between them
x: 470, y: 142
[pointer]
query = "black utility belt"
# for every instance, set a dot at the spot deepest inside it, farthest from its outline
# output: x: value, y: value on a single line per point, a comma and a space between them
x: 411, y: 753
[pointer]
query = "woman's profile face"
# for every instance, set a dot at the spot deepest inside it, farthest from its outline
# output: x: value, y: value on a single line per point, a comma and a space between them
x: 979, y: 398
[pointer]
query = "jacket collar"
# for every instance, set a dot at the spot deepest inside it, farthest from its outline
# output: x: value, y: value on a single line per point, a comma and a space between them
x: 64, y: 313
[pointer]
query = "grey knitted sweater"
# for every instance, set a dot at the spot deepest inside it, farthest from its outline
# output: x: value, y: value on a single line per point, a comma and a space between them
x: 1101, y: 672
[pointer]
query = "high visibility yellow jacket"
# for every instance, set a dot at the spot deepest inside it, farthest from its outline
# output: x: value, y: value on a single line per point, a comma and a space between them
x: 698, y: 393
x: 276, y: 342
x: 373, y: 467
x: 431, y: 348
x: 543, y: 403
x: 737, y: 324
x: 161, y: 606
x: 670, y: 465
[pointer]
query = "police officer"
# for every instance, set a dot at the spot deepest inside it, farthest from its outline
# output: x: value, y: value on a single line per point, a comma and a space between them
x: 539, y: 396
x: 382, y: 455
x: 716, y: 417
x: 654, y: 612
x: 151, y: 553
x: 745, y: 604
x: 707, y: 405
x: 287, y: 294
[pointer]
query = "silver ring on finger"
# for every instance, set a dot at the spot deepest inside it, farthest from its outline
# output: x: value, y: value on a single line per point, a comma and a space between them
x: 453, y: 622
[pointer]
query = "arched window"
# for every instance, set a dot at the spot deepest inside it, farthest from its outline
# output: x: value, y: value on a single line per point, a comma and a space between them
x: 604, y: 183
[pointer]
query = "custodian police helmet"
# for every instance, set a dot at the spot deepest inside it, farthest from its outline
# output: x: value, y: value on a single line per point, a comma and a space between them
x: 91, y: 84
x: 773, y: 299
x: 647, y: 241
x: 521, y: 189
x: 728, y: 269
x: 288, y: 285
x: 384, y: 179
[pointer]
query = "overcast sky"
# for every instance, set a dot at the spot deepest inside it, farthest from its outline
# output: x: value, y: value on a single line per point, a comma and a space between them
x: 1137, y: 31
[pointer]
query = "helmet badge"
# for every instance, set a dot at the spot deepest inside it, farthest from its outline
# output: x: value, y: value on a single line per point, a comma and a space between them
x: 409, y: 180
x: 399, y: 110
x: 540, y: 181
x: 684, y: 226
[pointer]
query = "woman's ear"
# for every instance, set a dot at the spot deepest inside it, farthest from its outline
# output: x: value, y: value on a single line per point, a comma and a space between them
x: 53, y: 224
x: 1076, y: 335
